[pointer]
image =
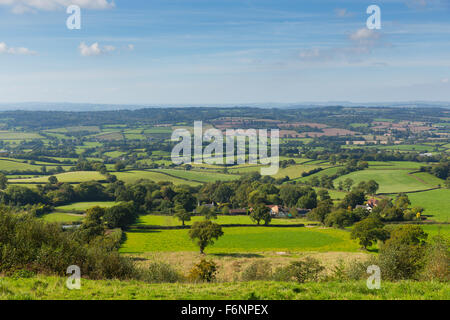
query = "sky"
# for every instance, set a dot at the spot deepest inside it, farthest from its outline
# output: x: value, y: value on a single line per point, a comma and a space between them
x: 224, y: 51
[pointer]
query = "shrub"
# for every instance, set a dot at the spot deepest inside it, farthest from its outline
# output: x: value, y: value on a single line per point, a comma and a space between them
x: 301, y: 271
x: 402, y: 256
x: 357, y: 270
x: 34, y: 245
x: 203, y: 271
x: 23, y: 274
x: 160, y: 272
x: 258, y: 270
x: 437, y: 265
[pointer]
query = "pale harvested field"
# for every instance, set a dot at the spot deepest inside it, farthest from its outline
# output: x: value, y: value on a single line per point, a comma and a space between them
x: 231, y: 266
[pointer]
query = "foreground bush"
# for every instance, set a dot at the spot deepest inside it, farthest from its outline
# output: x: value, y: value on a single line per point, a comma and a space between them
x: 403, y: 255
x: 301, y: 271
x: 160, y: 272
x: 258, y: 270
x: 437, y: 266
x: 31, y: 244
x: 204, y: 271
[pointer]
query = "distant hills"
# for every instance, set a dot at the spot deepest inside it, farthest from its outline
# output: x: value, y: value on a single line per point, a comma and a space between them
x: 82, y: 107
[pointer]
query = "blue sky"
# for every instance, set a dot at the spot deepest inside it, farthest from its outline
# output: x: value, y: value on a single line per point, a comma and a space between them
x: 224, y: 51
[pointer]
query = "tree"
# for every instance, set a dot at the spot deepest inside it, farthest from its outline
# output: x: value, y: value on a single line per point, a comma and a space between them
x: 186, y: 199
x: 368, y: 231
x: 447, y: 183
x: 3, y: 181
x: 308, y: 201
x: 289, y: 195
x: 261, y: 212
x: 402, y: 201
x: 348, y: 183
x: 226, y: 210
x: 353, y: 199
x: 203, y: 232
x: 181, y: 214
x: 320, y: 213
x: 120, y: 216
x: 372, y: 187
x: 323, y: 194
x: 222, y: 193
x: 208, y: 213
x: 339, y: 218
x: 53, y: 180
x: 119, y: 165
x: 392, y: 214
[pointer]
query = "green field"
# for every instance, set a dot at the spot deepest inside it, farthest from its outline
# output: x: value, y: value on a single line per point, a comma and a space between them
x: 429, y: 179
x: 7, y: 164
x: 390, y: 181
x: 199, y: 176
x: 61, y: 217
x: 243, y: 239
x: 83, y: 206
x: 156, y: 220
x: 70, y: 177
x: 329, y: 172
x: 408, y: 147
x: 437, y: 229
x: 294, y: 172
x: 395, y: 165
x: 10, y: 135
x: 435, y: 202
x: 135, y: 175
x: 53, y: 288
x: 114, y: 154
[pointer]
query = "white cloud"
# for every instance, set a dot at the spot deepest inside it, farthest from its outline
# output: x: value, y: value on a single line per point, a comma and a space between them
x: 364, y: 34
x: 5, y: 49
x: 362, y: 42
x: 23, y: 6
x: 445, y: 80
x: 94, y: 49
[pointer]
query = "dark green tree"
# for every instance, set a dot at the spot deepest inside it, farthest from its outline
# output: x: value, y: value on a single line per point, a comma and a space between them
x: 368, y: 231
x: 204, y: 233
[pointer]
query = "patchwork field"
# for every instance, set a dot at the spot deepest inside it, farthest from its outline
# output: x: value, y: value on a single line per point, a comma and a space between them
x: 435, y: 202
x: 61, y: 217
x: 429, y: 179
x: 69, y: 177
x: 199, y: 176
x: 83, y: 206
x: 135, y: 175
x: 390, y: 181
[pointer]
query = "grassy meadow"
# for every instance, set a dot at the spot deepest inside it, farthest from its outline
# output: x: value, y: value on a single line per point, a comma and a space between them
x: 390, y: 181
x: 243, y: 240
x: 53, y: 288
